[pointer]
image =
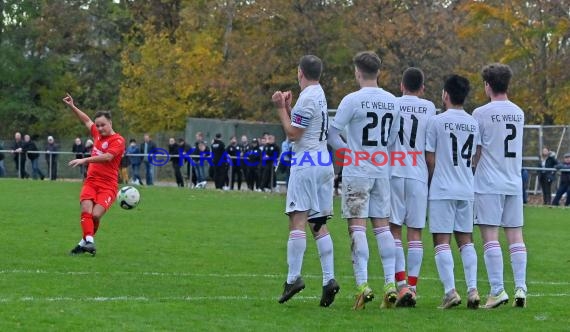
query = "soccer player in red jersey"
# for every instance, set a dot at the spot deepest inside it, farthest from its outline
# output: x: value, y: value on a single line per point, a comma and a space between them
x: 100, y: 187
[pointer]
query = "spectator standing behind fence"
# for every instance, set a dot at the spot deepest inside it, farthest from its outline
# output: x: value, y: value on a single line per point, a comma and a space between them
x: 271, y: 156
x: 253, y: 162
x: 18, y: 150
x: 51, y: 157
x: 78, y: 149
x: 244, y: 145
x: 285, y: 159
x: 124, y: 171
x: 86, y: 154
x: 30, y: 145
x: 175, y: 159
x: 200, y: 149
x: 235, y: 153
x: 135, y: 161
x: 146, y: 147
x: 547, y: 160
x: 220, y: 166
x: 2, y: 168
x: 564, y: 181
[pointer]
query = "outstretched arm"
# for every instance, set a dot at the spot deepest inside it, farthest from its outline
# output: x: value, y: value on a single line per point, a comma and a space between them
x: 82, y: 116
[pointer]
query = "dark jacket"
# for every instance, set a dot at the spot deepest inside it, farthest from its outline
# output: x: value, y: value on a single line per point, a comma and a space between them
x: 218, y: 149
x: 31, y: 146
x: 151, y: 146
x: 78, y: 150
x: 564, y: 176
x: 550, y: 162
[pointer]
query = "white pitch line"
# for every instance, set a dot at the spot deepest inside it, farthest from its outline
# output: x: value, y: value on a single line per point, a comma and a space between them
x: 235, y: 275
x: 190, y: 298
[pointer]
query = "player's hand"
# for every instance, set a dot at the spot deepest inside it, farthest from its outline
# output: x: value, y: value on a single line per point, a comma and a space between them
x: 278, y: 99
x: 77, y: 162
x: 288, y: 98
x: 68, y: 100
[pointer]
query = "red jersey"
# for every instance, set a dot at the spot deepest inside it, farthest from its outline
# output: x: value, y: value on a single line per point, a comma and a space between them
x: 106, y: 174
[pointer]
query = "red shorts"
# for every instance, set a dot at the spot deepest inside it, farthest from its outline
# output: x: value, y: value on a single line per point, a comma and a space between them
x: 102, y: 195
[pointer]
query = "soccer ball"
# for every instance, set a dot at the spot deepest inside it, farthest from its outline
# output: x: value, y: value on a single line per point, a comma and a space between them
x: 128, y: 197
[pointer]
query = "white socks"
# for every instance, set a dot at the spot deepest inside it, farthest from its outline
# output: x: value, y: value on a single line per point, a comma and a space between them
x: 295, y: 250
x: 469, y: 258
x: 494, y: 263
x: 387, y: 249
x: 360, y: 254
x: 325, y: 248
x: 444, y: 263
x: 518, y: 262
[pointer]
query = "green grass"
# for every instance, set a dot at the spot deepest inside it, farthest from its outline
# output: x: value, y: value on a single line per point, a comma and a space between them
x: 206, y: 260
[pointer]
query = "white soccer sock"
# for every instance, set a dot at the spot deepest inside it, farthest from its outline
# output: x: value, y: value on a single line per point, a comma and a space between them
x: 494, y: 263
x: 400, y: 265
x: 444, y: 263
x: 295, y: 250
x: 469, y: 258
x: 415, y: 257
x: 387, y: 250
x: 518, y: 262
x: 360, y: 254
x: 325, y: 248
x: 82, y: 242
x: 89, y: 238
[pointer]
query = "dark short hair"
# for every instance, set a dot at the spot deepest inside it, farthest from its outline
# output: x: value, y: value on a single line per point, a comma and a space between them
x: 311, y: 66
x: 457, y: 87
x: 181, y: 140
x: 218, y: 135
x: 133, y: 140
x: 368, y: 63
x: 105, y: 114
x: 498, y: 76
x: 413, y: 79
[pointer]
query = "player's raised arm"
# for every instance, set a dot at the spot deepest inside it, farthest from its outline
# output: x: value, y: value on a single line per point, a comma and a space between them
x: 282, y: 102
x: 82, y: 116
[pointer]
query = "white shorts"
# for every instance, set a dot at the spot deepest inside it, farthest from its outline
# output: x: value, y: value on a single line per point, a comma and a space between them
x: 447, y: 216
x: 499, y: 210
x: 365, y: 197
x: 409, y: 202
x: 311, y: 189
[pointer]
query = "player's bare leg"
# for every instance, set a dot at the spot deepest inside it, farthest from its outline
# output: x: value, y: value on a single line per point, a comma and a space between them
x: 387, y: 250
x: 517, y: 250
x: 494, y: 264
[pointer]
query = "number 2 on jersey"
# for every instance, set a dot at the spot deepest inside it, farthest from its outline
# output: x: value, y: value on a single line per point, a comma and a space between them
x: 512, y: 136
x: 466, y: 150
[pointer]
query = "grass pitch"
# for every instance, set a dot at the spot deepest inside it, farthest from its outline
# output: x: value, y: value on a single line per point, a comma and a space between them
x: 206, y: 260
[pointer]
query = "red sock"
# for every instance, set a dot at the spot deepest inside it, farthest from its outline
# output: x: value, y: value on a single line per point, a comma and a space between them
x: 400, y: 276
x: 87, y: 224
x: 95, y: 226
x: 412, y: 281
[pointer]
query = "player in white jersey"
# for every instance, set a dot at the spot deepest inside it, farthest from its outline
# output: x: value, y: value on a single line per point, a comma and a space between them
x: 408, y: 181
x: 498, y: 198
x: 451, y: 140
x: 310, y: 188
x: 371, y: 118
